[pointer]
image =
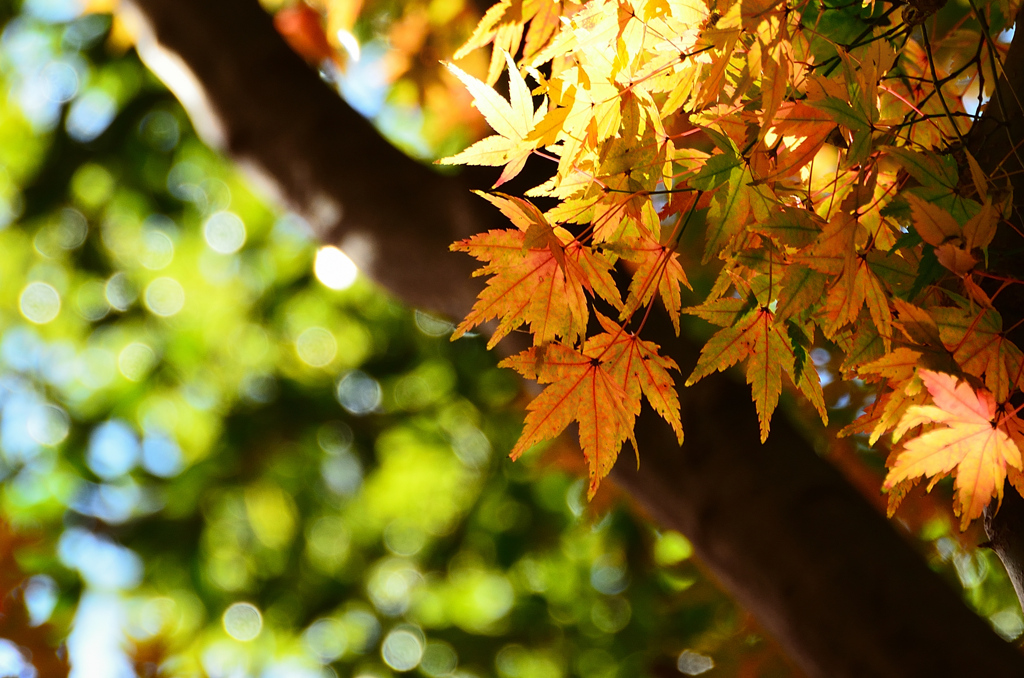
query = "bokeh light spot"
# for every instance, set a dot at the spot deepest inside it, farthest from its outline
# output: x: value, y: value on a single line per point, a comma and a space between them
x: 120, y: 292
x: 610, y: 615
x: 61, y: 81
x: 335, y: 437
x: 359, y: 393
x: 157, y: 250
x: 72, y: 230
x: 608, y: 576
x: 113, y: 449
x: 432, y: 326
x: 694, y: 664
x: 48, y: 425
x: 40, y: 598
x: 316, y: 347
x: 90, y: 115
x: 334, y: 269
x: 439, y: 659
x: 92, y: 185
x: 53, y: 10
x: 12, y: 661
x: 671, y: 548
x: 160, y: 129
x: 327, y: 639
x: 343, y: 474
x: 135, y: 361
x: 161, y: 456
x: 39, y: 302
x: 402, y: 650
x: 224, y: 232
x: 404, y: 539
x: 102, y: 563
x: 165, y: 296
x: 243, y: 621
x: 391, y: 585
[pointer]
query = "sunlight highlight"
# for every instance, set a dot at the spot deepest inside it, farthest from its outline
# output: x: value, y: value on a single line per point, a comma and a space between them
x: 334, y: 269
x: 350, y: 43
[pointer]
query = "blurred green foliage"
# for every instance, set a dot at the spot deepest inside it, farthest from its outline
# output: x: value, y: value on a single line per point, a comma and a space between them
x: 215, y: 465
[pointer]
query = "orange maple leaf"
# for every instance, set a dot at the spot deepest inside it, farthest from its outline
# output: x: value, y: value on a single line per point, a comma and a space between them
x: 581, y: 388
x: 639, y: 368
x: 974, y: 443
x: 811, y: 126
x: 600, y: 387
x: 856, y: 285
x: 540, y: 275
x: 898, y: 369
x: 976, y: 338
x: 659, y: 272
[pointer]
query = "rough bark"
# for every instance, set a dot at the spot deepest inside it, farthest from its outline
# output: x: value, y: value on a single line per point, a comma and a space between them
x: 780, y: 528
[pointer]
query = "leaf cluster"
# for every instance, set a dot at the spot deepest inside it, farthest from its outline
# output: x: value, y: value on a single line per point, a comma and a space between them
x: 827, y: 172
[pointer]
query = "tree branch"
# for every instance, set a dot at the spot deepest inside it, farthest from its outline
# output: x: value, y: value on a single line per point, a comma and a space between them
x: 249, y: 94
x: 781, y: 529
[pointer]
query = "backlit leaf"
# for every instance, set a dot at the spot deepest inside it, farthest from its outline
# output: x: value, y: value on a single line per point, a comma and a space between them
x: 970, y: 441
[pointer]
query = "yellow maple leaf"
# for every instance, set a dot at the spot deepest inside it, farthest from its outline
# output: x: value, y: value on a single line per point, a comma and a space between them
x: 756, y: 336
x: 513, y: 120
x: 973, y: 442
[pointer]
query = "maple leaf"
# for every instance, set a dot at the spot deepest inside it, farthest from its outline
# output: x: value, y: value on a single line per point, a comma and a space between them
x: 791, y: 227
x: 856, y: 284
x: 861, y: 344
x: 659, y: 271
x: 502, y: 25
x: 973, y: 443
x: 799, y: 120
x: 495, y: 16
x: 805, y: 373
x: 916, y: 323
x: 806, y: 210
x: 735, y: 201
x: 640, y: 369
x: 933, y: 224
x: 898, y: 492
x: 755, y: 336
x: 981, y: 228
x: 513, y: 120
x: 938, y: 228
x: 801, y: 288
x: 724, y: 311
x: 898, y: 368
x: 600, y: 387
x: 582, y: 388
x: 980, y: 347
x: 540, y: 276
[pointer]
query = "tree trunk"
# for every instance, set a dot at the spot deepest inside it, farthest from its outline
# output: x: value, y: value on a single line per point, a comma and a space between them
x: 779, y: 527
